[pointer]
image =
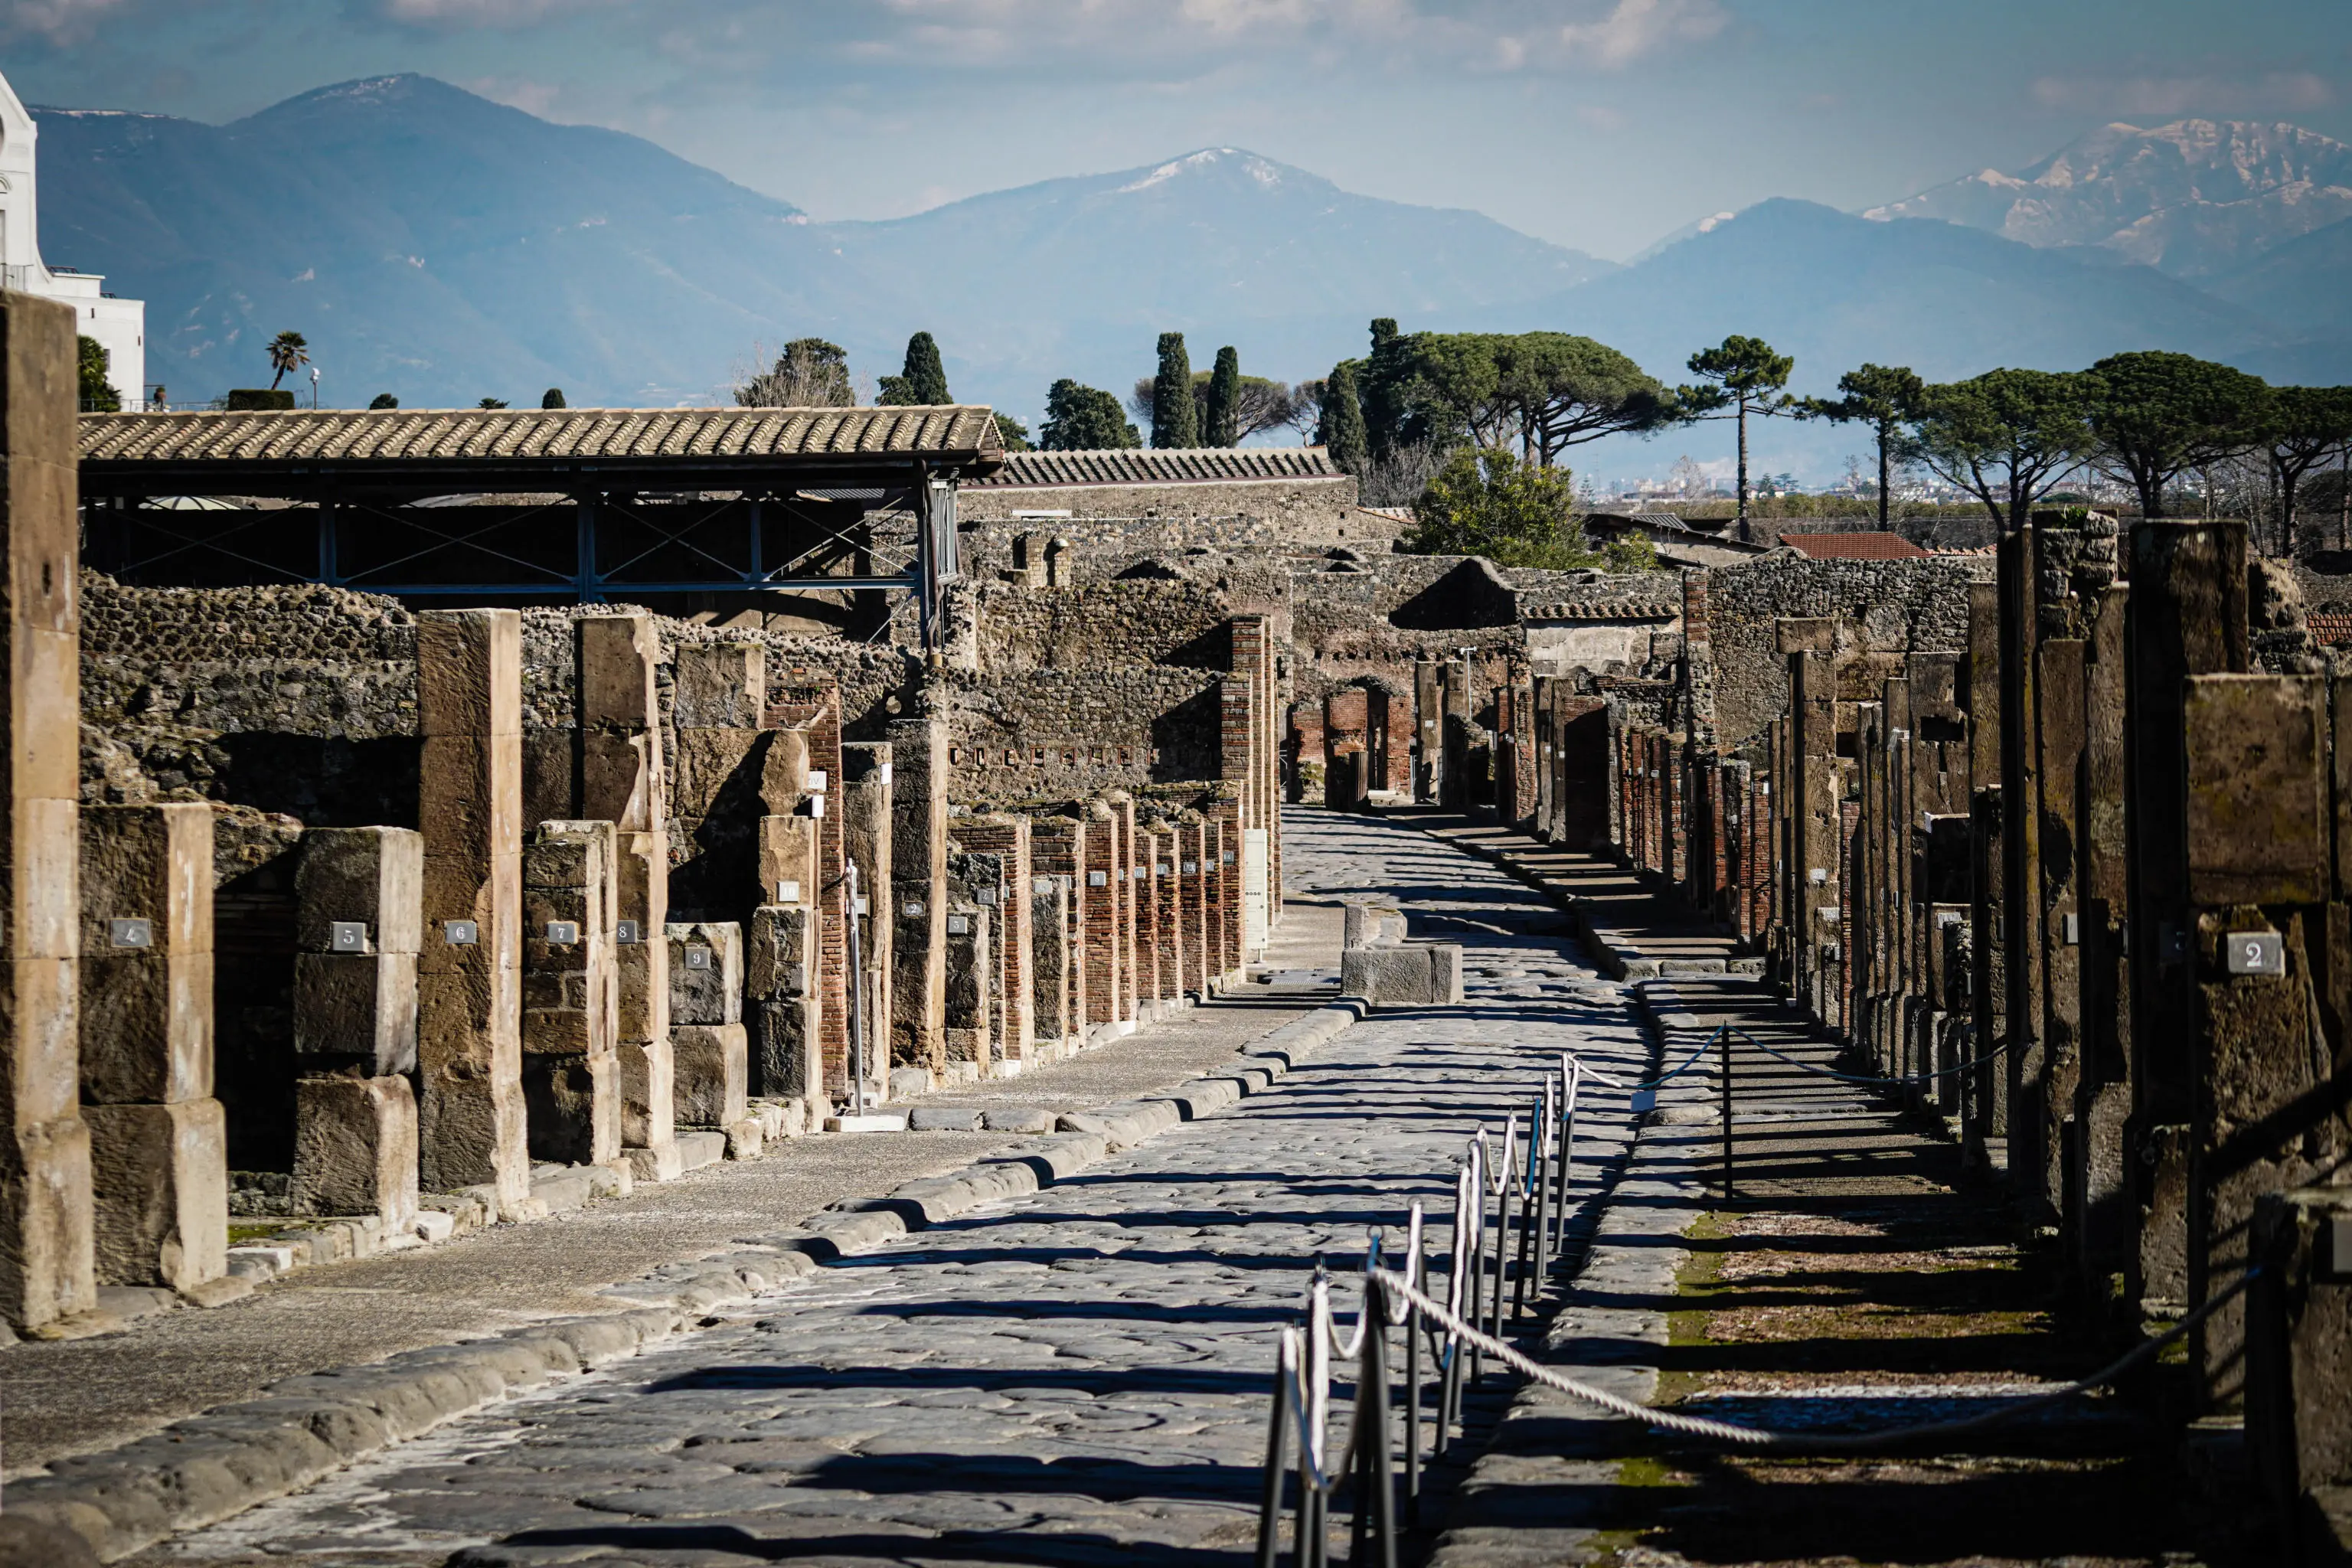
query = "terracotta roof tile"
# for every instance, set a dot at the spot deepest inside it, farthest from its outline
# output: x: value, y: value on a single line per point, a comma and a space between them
x: 1150, y: 466
x: 1869, y: 546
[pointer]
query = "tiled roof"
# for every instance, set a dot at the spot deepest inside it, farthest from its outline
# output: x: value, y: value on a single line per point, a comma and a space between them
x: 1603, y: 610
x: 522, y: 435
x: 2328, y: 627
x: 1869, y: 546
x: 1150, y: 466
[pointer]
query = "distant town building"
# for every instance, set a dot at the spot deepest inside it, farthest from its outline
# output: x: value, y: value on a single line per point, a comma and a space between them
x: 119, y: 325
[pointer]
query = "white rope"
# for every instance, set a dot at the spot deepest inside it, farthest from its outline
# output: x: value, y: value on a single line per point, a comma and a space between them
x: 1752, y: 1436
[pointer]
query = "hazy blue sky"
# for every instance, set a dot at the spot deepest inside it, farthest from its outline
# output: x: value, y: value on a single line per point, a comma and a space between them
x: 1597, y: 124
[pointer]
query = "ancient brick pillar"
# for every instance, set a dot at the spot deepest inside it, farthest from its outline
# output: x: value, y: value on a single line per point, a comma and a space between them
x: 471, y: 1121
x: 919, y: 836
x: 1168, y: 919
x: 1192, y: 909
x: 1456, y: 785
x: 1049, y: 965
x: 866, y: 796
x: 158, y: 1140
x: 571, y: 1015
x: 786, y: 1006
x: 1394, y: 717
x: 2187, y: 616
x: 720, y: 738
x: 1134, y: 984
x: 46, y: 1268
x: 1106, y: 969
x: 622, y: 781
x: 710, y: 1048
x: 359, y: 933
x: 1985, y: 1113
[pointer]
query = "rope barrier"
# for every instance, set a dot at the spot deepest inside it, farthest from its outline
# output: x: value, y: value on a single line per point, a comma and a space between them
x: 1525, y: 1178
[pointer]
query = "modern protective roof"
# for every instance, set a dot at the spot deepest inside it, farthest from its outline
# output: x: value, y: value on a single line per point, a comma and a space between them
x: 1172, y: 466
x: 399, y: 441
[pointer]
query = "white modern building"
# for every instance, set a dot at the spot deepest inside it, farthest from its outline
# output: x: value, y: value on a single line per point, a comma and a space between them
x: 119, y: 325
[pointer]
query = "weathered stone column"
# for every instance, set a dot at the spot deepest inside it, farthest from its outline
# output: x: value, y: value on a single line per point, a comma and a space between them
x: 1049, y: 965
x: 1814, y: 862
x: 358, y: 931
x: 2099, y: 1242
x: 867, y: 793
x: 2187, y: 618
x: 918, y: 837
x: 1429, y: 734
x: 972, y: 975
x: 2267, y: 1111
x: 622, y: 781
x: 1008, y: 837
x: 787, y: 1008
x: 710, y: 1048
x: 158, y: 1140
x: 469, y: 976
x: 46, y: 1243
x: 570, y: 1016
x: 1057, y: 852
x: 2299, y: 1349
x: 718, y: 706
x: 1194, y: 858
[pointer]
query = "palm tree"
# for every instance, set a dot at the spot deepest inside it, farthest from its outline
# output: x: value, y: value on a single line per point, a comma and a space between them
x: 288, y: 351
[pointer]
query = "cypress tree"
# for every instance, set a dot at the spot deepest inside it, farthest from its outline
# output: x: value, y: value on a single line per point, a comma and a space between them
x: 553, y: 398
x: 1173, y: 420
x: 1221, y: 422
x: 923, y: 380
x: 1342, y: 431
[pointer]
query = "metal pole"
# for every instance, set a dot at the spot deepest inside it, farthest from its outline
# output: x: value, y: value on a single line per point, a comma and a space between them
x: 1380, y: 1458
x: 1413, y: 1409
x: 1269, y: 1513
x: 1726, y: 1037
x: 856, y: 1002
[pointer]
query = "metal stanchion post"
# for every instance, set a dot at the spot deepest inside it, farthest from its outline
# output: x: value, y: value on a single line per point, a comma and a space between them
x: 1269, y: 1513
x: 1379, y: 1461
x: 1726, y: 1113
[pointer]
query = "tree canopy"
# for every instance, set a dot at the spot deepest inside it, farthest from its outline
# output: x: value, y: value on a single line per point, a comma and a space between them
x: 1083, y: 419
x: 921, y: 381
x: 1487, y: 502
x: 1259, y: 404
x: 97, y: 395
x: 2157, y: 416
x: 1882, y: 398
x: 1341, y: 430
x: 1012, y: 433
x: 289, y: 352
x: 809, y: 373
x: 1175, y: 422
x: 1543, y: 392
x: 1744, y: 377
x: 2302, y: 426
x: 2005, y: 437
x: 552, y: 398
x: 383, y: 400
x: 1220, y: 414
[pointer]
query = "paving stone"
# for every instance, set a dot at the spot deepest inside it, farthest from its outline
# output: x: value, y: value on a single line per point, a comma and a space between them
x: 1083, y: 1366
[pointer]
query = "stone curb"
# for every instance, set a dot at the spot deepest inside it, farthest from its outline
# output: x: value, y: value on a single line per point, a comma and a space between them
x: 210, y: 1466
x: 1538, y: 1492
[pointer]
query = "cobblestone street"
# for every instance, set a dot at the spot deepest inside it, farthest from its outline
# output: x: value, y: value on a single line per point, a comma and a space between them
x: 1077, y: 1373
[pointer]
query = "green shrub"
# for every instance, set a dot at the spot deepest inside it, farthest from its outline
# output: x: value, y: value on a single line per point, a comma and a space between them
x: 259, y: 399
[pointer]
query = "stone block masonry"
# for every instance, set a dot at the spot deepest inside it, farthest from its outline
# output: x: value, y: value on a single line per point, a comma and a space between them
x: 359, y: 895
x: 46, y: 1271
x: 571, y: 1015
x: 1007, y: 837
x: 470, y: 997
x: 159, y: 1155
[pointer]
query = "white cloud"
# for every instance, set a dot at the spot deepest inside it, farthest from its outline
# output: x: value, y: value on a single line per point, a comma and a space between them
x: 1633, y: 28
x: 59, y: 21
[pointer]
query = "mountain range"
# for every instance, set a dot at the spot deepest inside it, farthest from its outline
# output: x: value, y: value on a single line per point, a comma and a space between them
x: 443, y: 247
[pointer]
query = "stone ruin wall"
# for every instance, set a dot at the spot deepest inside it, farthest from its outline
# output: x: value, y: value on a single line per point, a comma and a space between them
x: 1880, y: 606
x: 1113, y: 527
